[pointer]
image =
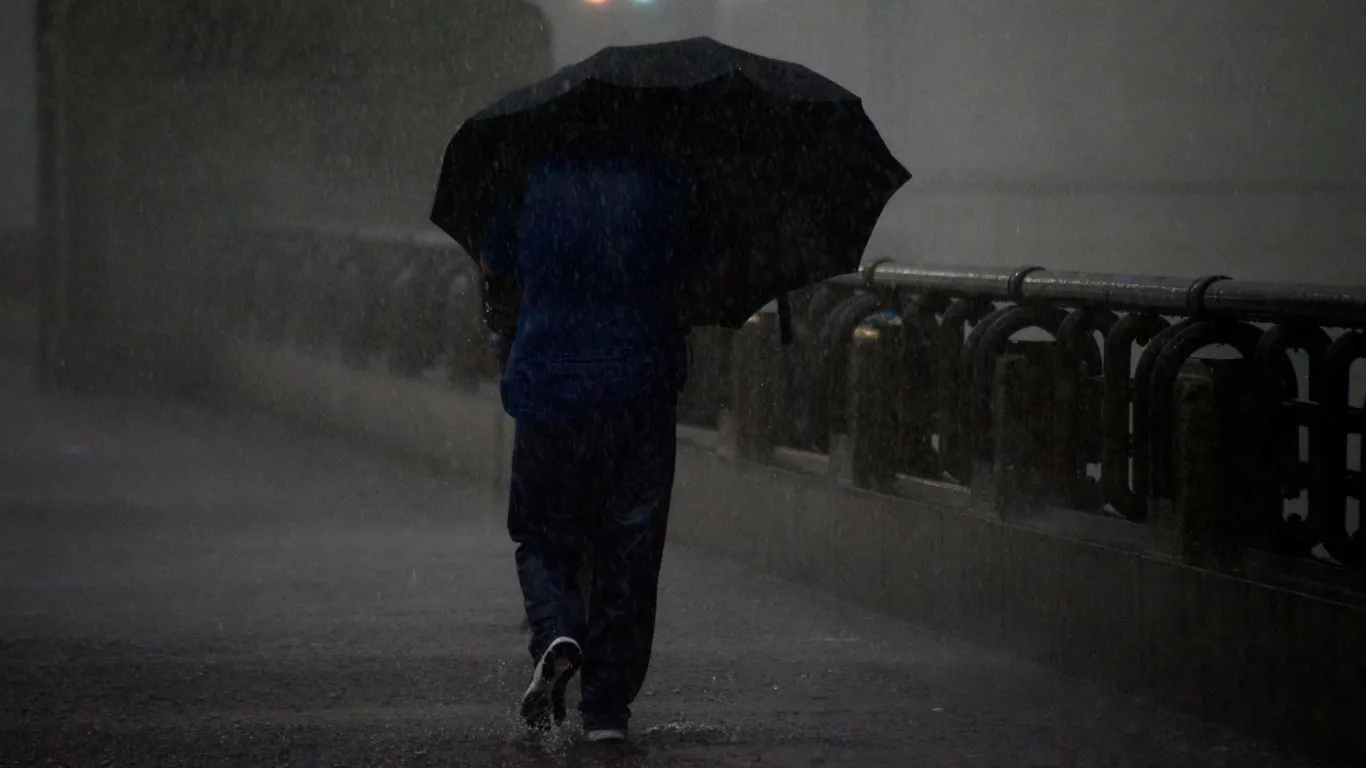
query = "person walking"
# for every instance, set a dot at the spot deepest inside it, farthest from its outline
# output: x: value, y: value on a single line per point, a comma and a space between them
x: 596, y: 239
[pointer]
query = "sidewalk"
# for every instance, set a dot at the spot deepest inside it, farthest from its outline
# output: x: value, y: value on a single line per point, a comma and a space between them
x: 182, y: 587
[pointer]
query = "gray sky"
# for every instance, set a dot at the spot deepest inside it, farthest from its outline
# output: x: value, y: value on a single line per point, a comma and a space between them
x: 18, y: 130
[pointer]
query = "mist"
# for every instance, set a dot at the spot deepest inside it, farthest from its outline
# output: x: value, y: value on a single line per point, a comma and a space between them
x: 1165, y: 138
x: 256, y: 456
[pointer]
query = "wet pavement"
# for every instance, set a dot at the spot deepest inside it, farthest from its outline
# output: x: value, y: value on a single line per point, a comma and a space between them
x: 190, y: 586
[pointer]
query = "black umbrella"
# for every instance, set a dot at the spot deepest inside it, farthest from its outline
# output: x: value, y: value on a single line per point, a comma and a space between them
x: 790, y: 174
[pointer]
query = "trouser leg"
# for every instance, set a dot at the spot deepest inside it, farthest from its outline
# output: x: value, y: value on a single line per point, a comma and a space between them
x: 626, y: 554
x: 546, y: 511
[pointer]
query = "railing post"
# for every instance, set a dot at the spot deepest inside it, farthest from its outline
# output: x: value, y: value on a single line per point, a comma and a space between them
x: 825, y: 377
x: 748, y: 423
x: 709, y: 368
x: 1018, y: 469
x: 1198, y: 524
x: 918, y: 399
x: 871, y: 453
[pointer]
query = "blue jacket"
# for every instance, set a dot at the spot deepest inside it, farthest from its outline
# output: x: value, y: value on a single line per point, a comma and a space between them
x: 598, y: 246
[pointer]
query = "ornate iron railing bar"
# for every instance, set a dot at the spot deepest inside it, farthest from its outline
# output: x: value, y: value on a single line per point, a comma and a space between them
x: 1330, y: 305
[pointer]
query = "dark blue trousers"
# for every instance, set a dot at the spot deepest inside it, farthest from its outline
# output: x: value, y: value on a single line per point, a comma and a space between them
x: 599, y: 487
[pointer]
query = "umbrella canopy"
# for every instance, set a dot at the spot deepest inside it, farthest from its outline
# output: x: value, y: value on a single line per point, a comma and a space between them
x: 790, y: 174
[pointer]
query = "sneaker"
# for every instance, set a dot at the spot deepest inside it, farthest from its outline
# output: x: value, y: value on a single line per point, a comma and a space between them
x: 606, y: 735
x: 598, y: 729
x: 543, y: 702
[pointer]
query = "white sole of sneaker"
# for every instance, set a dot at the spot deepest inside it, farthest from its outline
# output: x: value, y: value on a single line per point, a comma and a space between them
x: 605, y: 736
x: 543, y: 702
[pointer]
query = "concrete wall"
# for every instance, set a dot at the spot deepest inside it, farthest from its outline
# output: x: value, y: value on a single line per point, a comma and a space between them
x: 19, y: 126
x: 304, y: 113
x: 1160, y: 137
x: 1277, y: 662
x: 185, y: 119
x: 18, y: 289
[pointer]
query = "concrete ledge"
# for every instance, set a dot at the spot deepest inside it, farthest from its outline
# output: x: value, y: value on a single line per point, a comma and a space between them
x: 1266, y: 659
x: 462, y: 433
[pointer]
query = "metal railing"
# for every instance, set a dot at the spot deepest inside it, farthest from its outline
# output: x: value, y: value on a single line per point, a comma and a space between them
x: 1205, y: 411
